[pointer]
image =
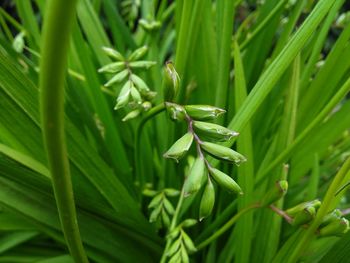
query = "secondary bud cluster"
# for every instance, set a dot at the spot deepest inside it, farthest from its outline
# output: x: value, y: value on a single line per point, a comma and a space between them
x: 162, y: 209
x: 206, y: 136
x: 134, y: 92
x: 181, y: 244
x: 333, y: 224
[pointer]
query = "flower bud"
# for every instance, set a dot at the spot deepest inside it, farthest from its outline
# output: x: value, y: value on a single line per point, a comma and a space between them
x: 336, y: 228
x: 171, y: 82
x: 135, y: 95
x: 203, y: 112
x: 223, y: 153
x: 146, y: 105
x: 138, y: 53
x: 139, y: 83
x: 156, y: 201
x: 296, y: 209
x: 180, y: 147
x: 194, y: 180
x: 188, y: 242
x: 188, y: 222
x: 117, y: 78
x: 171, y: 192
x: 113, y: 53
x: 168, y: 206
x: 277, y: 192
x: 150, y: 25
x: 165, y: 218
x: 207, y: 201
x: 225, y: 181
x: 18, y: 43
x: 124, y: 96
x: 112, y: 67
x: 213, y: 131
x: 304, y: 216
x: 330, y: 217
x: 142, y: 64
x: 131, y: 115
x: 174, y: 247
x: 175, y: 111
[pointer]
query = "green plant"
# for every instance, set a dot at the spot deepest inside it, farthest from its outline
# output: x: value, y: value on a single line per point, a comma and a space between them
x: 151, y: 143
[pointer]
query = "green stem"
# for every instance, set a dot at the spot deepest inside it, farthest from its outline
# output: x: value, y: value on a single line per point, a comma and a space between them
x: 56, y: 33
x: 225, y: 227
x: 137, y: 161
x: 173, y: 224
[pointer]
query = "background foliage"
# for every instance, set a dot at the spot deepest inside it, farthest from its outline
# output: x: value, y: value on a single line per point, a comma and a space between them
x: 279, y: 68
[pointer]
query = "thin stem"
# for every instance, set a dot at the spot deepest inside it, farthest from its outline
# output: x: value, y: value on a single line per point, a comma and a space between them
x: 137, y: 164
x: 173, y: 224
x: 225, y: 227
x: 56, y: 33
x: 281, y: 213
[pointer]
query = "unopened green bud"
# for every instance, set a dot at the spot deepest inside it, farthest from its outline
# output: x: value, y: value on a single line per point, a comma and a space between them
x: 149, y: 25
x: 188, y: 242
x: 173, y: 234
x: 336, y: 228
x: 174, y: 247
x: 188, y: 222
x: 139, y: 83
x: 168, y: 206
x: 131, y: 115
x: 184, y: 255
x: 171, y: 192
x: 214, y: 131
x: 296, y: 209
x: 203, y: 112
x: 18, y: 43
x: 277, y: 192
x: 180, y: 147
x: 304, y: 216
x: 112, y: 67
x: 155, y: 214
x: 146, y: 105
x: 156, y: 201
x: 142, y: 64
x: 165, y: 218
x: 330, y: 217
x: 223, y: 153
x: 175, y: 111
x: 135, y: 95
x: 117, y: 78
x: 194, y: 180
x: 138, y: 53
x: 113, y: 53
x: 149, y: 192
x: 124, y: 96
x: 207, y: 201
x: 171, y: 82
x: 176, y: 258
x: 225, y: 181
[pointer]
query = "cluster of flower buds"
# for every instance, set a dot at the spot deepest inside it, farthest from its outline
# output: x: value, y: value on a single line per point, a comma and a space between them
x: 181, y: 244
x: 134, y: 91
x: 333, y: 224
x: 162, y: 209
x: 130, y: 10
x: 206, y: 136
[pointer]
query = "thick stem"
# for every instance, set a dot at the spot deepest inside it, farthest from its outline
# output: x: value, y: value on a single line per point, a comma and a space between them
x: 56, y: 33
